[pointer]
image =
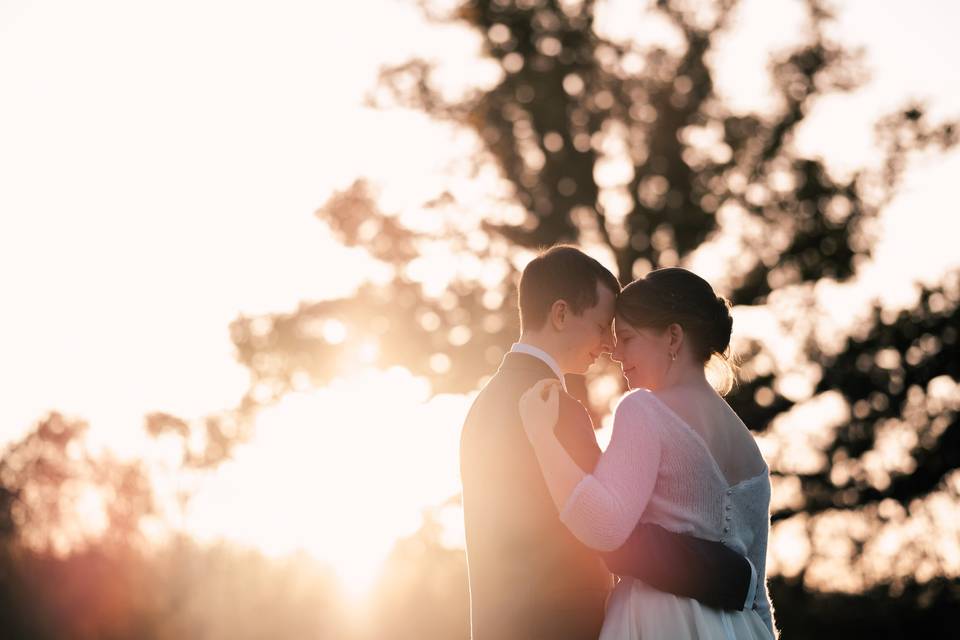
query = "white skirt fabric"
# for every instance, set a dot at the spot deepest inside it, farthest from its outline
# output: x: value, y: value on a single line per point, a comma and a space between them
x: 636, y: 611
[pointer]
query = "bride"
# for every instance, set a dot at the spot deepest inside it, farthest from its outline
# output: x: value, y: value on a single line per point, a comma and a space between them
x: 679, y: 457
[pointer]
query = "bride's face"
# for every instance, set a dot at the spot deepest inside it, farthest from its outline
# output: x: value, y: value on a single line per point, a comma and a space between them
x: 643, y: 354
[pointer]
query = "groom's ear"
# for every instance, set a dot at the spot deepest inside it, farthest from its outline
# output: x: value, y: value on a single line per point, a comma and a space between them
x: 559, y: 311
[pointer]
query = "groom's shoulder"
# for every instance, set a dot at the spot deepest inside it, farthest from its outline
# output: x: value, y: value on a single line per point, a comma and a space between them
x: 491, y: 414
x: 500, y: 396
x: 503, y: 386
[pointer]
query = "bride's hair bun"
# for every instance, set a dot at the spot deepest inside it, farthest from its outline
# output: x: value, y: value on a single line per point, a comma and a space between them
x: 722, y: 326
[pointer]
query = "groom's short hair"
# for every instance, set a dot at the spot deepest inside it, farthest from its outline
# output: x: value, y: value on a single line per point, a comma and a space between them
x: 565, y: 273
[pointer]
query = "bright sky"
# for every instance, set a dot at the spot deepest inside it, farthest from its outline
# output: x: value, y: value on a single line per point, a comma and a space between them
x: 161, y: 163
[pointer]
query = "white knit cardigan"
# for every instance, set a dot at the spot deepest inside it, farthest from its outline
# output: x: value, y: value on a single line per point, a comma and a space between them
x: 657, y: 469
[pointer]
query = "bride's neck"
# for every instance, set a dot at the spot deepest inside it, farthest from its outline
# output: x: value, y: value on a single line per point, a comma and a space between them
x: 688, y: 376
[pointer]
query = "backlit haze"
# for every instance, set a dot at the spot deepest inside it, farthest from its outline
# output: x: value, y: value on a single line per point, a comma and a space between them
x: 160, y: 166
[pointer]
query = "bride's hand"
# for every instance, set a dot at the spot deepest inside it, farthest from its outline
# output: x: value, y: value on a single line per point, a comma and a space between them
x: 540, y: 408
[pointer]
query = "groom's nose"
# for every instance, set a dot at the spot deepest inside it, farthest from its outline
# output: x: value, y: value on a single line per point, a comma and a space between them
x: 615, y: 355
x: 607, y: 344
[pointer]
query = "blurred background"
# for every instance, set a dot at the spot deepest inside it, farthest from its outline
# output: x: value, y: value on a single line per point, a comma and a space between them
x: 257, y: 258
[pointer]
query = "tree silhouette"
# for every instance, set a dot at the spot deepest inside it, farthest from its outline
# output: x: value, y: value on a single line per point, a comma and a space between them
x: 628, y: 150
x: 43, y: 477
x: 60, y: 576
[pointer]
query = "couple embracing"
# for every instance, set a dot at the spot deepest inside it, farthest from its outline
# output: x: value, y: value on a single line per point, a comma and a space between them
x: 664, y: 534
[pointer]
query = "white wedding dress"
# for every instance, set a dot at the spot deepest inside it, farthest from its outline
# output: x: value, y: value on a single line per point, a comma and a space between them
x: 657, y: 469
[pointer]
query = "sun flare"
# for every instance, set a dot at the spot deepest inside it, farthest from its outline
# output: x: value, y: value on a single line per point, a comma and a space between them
x: 340, y: 473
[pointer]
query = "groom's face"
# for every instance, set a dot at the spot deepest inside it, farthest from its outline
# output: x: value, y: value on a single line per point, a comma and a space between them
x: 590, y: 333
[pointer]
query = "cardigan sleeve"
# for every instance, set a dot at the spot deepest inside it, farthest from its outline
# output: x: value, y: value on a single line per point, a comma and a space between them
x: 606, y: 505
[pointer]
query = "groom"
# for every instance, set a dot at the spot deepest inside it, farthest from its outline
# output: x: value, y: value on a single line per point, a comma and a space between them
x: 530, y: 578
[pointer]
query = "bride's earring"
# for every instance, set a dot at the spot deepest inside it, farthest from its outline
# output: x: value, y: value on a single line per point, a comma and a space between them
x: 673, y: 358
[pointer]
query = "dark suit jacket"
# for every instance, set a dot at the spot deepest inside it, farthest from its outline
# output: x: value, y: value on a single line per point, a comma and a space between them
x: 530, y: 578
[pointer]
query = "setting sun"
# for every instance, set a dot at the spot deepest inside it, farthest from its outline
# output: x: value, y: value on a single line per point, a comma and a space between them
x: 341, y: 473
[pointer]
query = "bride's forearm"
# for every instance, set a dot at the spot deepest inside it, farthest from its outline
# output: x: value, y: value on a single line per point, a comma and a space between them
x: 560, y: 472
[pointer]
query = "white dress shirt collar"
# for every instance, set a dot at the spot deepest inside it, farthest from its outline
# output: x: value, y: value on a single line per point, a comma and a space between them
x: 536, y: 352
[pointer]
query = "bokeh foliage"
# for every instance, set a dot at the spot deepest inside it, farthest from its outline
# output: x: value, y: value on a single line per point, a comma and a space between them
x: 629, y: 150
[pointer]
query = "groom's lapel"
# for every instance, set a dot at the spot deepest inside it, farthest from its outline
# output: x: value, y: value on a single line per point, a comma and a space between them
x: 516, y: 361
